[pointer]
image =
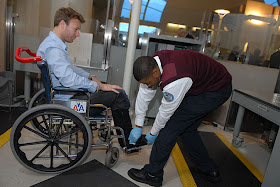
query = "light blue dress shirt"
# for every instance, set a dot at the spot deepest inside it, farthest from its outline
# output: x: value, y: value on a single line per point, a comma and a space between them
x: 62, y: 72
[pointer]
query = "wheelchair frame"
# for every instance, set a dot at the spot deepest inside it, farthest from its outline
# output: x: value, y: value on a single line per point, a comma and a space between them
x: 59, y: 130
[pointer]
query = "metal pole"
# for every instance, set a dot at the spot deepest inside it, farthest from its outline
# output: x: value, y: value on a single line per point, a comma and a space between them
x: 269, y: 38
x: 207, y: 26
x: 27, y: 86
x: 218, y: 32
x: 274, y: 36
x: 8, y: 35
x: 217, y: 40
x: 131, y: 47
x: 202, y: 26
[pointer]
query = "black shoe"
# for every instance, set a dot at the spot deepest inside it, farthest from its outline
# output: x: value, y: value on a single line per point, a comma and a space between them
x: 141, y: 141
x: 132, y: 148
x: 144, y: 177
x: 213, y: 176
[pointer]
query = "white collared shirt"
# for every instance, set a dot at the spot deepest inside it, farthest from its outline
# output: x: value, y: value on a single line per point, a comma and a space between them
x: 173, y: 92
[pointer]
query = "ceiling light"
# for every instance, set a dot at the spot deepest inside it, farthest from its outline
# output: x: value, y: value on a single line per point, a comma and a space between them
x: 222, y: 11
x: 257, y: 22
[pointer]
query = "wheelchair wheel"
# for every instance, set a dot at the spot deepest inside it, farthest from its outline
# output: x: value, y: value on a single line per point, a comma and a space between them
x: 63, y: 142
x: 38, y: 99
x: 112, y: 157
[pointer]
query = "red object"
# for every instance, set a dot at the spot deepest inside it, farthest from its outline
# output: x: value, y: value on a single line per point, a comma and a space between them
x: 34, y: 58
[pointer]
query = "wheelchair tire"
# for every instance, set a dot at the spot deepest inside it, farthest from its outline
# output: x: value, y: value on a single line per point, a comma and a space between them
x: 112, y: 157
x: 63, y: 142
x: 38, y: 99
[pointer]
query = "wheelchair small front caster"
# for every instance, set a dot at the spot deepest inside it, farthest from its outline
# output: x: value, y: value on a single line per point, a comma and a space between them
x: 237, y: 141
x: 112, y: 157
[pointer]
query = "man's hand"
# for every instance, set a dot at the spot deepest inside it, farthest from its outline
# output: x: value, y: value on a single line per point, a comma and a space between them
x: 109, y: 87
x: 150, y: 138
x: 134, y: 135
x: 104, y: 87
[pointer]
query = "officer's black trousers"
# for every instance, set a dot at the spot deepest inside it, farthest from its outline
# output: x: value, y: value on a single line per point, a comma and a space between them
x: 184, y: 123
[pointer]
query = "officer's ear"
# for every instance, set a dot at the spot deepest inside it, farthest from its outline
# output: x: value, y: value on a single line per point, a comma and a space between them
x: 156, y: 72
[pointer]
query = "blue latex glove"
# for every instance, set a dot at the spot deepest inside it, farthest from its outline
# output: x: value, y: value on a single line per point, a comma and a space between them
x: 150, y: 138
x: 134, y: 135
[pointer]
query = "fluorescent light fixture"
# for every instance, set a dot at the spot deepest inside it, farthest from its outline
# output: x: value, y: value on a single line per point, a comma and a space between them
x: 257, y: 22
x: 176, y: 25
x: 260, y: 20
x: 222, y: 12
x: 253, y: 13
x: 195, y: 28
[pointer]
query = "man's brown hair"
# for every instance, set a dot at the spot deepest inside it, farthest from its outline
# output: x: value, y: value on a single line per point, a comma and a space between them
x: 67, y: 14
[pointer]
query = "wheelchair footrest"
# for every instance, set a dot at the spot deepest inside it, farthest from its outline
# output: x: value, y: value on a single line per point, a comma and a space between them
x: 99, y: 117
x: 132, y: 150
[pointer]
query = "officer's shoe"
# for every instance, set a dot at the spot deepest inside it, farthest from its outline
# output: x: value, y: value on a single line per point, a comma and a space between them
x: 144, y: 177
x: 213, y: 176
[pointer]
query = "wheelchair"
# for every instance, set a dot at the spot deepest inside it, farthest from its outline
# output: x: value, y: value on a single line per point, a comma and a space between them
x: 54, y: 136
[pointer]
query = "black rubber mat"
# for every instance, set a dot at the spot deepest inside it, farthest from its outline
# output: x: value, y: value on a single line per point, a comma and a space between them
x: 92, y: 173
x: 9, y: 117
x: 233, y: 172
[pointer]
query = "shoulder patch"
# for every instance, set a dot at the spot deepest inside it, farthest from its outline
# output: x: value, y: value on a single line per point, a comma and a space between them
x: 168, y: 96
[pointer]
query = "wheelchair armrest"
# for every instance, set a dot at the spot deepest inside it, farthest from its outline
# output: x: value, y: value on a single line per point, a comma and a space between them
x: 61, y: 88
x: 68, y: 90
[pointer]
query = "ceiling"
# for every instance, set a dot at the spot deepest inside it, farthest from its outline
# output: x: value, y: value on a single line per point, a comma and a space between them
x: 204, y: 5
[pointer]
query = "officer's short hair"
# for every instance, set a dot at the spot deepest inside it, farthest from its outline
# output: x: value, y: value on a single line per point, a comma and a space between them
x: 67, y: 14
x: 143, y: 67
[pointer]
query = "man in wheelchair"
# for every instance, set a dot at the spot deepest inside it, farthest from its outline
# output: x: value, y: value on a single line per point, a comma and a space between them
x: 67, y: 24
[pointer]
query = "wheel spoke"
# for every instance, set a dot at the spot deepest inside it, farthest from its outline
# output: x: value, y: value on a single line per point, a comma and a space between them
x: 33, y: 143
x: 59, y: 127
x: 40, y: 152
x: 45, y: 122
x: 69, y: 143
x: 70, y: 160
x: 37, y: 132
x: 66, y: 134
x: 38, y: 124
x: 51, y: 156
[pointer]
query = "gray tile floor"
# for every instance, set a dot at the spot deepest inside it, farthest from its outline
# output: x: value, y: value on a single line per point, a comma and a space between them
x: 13, y: 174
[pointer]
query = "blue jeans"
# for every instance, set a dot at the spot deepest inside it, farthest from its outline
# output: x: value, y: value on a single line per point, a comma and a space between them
x: 184, y: 123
